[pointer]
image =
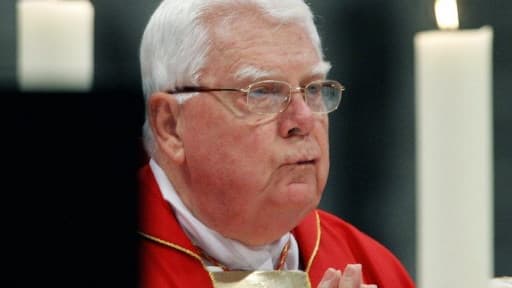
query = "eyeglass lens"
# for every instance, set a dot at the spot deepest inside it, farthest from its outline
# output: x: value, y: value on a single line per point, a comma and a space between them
x: 273, y: 96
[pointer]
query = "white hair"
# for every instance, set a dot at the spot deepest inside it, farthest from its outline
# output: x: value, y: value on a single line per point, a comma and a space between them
x: 175, y: 44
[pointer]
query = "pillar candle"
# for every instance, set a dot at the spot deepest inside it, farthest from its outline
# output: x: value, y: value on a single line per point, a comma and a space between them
x: 55, y: 45
x: 453, y: 75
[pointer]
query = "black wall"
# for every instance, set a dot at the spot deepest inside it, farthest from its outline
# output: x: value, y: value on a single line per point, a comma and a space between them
x: 83, y: 212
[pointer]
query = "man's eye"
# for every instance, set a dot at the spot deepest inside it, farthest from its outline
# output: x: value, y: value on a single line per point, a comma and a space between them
x: 259, y: 92
x: 263, y: 91
x: 314, y: 89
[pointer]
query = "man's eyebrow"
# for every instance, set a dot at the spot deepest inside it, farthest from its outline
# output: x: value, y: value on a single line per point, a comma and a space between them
x: 250, y: 72
x: 322, y: 68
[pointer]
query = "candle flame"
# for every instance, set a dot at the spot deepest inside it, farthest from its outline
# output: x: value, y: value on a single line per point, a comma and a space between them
x: 446, y: 14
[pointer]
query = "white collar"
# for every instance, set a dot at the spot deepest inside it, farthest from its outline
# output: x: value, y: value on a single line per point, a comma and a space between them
x: 231, y: 253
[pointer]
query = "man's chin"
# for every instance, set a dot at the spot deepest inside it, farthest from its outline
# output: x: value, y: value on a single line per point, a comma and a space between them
x: 301, y: 194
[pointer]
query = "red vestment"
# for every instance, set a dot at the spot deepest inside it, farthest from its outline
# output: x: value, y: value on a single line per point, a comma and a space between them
x: 169, y: 259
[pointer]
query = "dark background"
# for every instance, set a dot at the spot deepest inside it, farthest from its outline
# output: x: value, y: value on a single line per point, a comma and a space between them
x: 71, y: 157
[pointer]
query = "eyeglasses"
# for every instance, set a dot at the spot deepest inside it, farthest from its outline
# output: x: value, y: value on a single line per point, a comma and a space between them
x: 272, y: 96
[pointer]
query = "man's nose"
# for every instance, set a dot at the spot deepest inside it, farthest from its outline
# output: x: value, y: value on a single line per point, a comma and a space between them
x: 298, y: 118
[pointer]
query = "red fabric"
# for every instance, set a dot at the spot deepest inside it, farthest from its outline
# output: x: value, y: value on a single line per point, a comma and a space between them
x: 172, y: 265
x: 342, y: 244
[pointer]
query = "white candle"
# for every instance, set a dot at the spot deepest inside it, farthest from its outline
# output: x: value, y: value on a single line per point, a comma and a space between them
x: 454, y: 157
x: 55, y: 45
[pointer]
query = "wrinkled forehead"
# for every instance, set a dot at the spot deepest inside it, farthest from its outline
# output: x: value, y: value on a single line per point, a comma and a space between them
x: 281, y: 12
x: 218, y: 17
x: 241, y: 36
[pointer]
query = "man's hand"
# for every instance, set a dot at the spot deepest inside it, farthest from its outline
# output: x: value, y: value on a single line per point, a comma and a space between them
x: 351, y: 277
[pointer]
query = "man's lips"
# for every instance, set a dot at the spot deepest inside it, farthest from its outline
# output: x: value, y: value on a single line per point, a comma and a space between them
x: 306, y: 162
x: 301, y: 162
x: 305, y: 156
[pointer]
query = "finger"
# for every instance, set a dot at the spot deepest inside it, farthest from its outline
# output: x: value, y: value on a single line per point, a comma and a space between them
x: 330, y: 279
x: 351, y: 276
x: 369, y: 286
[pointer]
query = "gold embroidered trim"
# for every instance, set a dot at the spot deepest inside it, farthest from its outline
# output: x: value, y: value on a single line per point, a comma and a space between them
x: 196, y: 256
x: 179, y: 248
x: 317, y: 244
x: 169, y: 244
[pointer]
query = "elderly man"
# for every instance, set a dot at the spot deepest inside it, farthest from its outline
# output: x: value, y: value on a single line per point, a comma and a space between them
x: 237, y: 136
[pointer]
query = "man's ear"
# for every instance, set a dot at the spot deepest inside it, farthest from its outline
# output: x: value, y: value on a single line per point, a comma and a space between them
x: 164, y: 115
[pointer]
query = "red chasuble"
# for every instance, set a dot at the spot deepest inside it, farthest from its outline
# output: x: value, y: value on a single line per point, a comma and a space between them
x: 168, y: 258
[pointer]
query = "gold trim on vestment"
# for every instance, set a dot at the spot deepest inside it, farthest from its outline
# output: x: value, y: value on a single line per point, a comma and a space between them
x: 211, y: 274
x: 317, y: 243
x: 177, y: 247
x: 181, y: 249
x: 261, y: 279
